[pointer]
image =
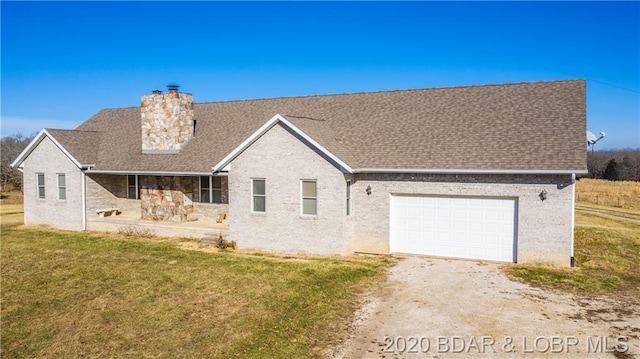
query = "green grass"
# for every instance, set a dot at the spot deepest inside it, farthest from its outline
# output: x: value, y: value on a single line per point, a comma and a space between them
x: 607, y: 253
x: 70, y: 294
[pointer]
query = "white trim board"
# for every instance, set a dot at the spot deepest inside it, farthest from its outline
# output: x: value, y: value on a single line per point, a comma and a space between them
x: 277, y: 118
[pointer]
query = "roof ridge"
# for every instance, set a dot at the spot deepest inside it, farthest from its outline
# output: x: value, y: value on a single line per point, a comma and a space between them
x: 397, y: 90
x: 366, y: 92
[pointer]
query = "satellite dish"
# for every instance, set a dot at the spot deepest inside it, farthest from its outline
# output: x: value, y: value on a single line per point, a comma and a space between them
x: 592, y: 139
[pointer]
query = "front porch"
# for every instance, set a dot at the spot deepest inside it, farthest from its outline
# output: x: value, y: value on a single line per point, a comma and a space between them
x: 168, y: 206
x: 198, y: 229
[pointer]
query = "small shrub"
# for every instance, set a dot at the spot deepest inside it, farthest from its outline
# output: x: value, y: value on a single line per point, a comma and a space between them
x: 225, y: 244
x: 140, y: 232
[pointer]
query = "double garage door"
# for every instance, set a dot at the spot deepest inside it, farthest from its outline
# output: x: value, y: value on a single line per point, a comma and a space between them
x: 460, y: 227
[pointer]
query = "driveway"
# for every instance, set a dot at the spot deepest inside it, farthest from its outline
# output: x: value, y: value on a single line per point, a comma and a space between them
x: 439, y: 308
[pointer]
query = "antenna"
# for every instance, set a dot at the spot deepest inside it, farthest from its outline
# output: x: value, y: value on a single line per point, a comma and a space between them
x: 592, y: 139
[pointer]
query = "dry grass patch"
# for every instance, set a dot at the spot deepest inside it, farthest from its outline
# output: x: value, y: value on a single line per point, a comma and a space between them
x: 607, y: 253
x: 620, y: 194
x: 11, y: 197
x: 69, y: 294
x: 11, y: 215
x: 607, y: 243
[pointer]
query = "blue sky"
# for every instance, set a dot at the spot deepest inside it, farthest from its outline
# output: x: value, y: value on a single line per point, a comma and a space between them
x: 64, y: 61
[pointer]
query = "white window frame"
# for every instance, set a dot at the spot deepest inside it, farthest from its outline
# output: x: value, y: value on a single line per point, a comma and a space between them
x: 211, y: 189
x: 253, y: 195
x: 302, y: 197
x: 210, y: 199
x: 62, y: 187
x: 38, y: 185
x: 137, y: 196
x: 215, y: 189
x: 348, y: 197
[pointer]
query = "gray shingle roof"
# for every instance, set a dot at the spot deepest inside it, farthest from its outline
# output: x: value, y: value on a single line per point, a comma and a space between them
x: 521, y: 126
x: 82, y: 145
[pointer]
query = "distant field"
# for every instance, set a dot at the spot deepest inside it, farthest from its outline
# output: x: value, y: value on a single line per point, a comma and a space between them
x: 619, y: 194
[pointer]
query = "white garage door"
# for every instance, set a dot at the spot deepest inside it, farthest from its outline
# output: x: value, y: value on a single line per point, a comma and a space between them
x: 474, y: 228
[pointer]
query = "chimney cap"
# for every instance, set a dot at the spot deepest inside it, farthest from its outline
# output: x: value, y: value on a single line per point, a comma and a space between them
x: 156, y: 91
x: 172, y: 87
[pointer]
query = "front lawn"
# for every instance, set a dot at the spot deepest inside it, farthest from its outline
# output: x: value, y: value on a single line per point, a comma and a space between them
x: 71, y: 294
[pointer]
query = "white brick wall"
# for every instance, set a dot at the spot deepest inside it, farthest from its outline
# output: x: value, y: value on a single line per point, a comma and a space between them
x: 48, y: 159
x: 283, y: 160
x: 544, y: 228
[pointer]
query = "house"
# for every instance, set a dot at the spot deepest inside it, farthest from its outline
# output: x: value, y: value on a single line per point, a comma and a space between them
x: 483, y: 172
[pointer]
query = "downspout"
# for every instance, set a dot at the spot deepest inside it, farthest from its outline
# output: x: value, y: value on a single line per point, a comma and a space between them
x: 573, y: 216
x: 84, y: 201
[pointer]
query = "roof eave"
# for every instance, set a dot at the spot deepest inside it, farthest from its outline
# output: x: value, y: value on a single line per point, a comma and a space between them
x: 470, y: 171
x: 36, y: 140
x: 148, y: 173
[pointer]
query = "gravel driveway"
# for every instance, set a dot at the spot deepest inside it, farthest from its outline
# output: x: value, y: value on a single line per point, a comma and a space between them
x: 439, y: 308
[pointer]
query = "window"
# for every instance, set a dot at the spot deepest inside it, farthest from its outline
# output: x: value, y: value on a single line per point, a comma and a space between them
x: 62, y: 187
x: 348, y: 197
x: 211, y: 189
x: 258, y: 195
x: 132, y: 186
x: 205, y: 189
x: 40, y: 182
x: 309, y: 198
x: 217, y: 189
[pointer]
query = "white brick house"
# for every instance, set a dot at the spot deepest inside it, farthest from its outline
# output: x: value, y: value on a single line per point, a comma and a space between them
x: 481, y: 172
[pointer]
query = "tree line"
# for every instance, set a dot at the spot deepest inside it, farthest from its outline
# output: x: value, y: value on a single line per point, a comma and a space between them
x: 614, y: 165
x: 10, y: 148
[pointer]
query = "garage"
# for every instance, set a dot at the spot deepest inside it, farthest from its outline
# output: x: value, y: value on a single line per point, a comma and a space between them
x: 459, y: 227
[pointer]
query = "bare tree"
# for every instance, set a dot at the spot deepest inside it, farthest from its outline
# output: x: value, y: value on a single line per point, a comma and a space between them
x: 10, y: 147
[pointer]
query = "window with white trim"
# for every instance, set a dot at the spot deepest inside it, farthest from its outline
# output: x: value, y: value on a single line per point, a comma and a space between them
x: 216, y: 189
x: 62, y: 187
x: 205, y: 189
x: 258, y: 195
x: 348, y: 197
x: 211, y: 189
x: 40, y: 184
x: 309, y: 198
x: 132, y: 186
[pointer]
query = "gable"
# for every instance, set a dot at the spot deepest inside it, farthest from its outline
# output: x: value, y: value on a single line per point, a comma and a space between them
x: 302, y: 136
x: 71, y: 138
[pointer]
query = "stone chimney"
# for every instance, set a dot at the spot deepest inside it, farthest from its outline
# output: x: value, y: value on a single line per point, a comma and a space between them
x: 167, y: 121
